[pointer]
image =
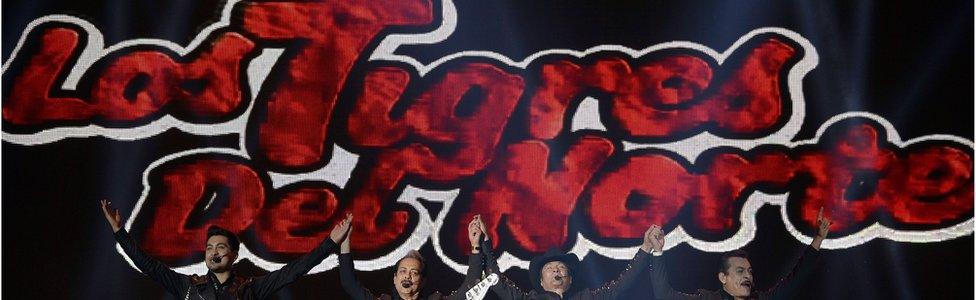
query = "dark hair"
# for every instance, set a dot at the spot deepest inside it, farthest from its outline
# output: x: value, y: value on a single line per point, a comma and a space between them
x: 232, y: 240
x: 415, y: 255
x: 724, y: 266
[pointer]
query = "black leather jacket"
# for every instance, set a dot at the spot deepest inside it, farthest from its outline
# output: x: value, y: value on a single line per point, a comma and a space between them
x: 207, y: 287
x: 507, y: 290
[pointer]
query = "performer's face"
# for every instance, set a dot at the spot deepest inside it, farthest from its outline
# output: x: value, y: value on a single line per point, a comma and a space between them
x: 218, y: 246
x: 407, y: 278
x: 737, y: 278
x: 555, y: 276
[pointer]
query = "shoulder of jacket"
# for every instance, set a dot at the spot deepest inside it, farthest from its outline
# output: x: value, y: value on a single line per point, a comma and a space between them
x: 709, y: 294
x: 243, y: 280
x: 198, y: 280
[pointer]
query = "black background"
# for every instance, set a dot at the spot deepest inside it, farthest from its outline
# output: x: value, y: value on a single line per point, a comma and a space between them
x: 909, y: 62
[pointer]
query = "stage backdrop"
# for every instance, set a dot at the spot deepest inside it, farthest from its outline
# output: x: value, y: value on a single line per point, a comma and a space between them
x: 564, y: 124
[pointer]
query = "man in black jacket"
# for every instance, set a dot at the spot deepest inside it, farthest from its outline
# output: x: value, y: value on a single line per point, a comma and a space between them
x: 735, y: 272
x: 552, y: 276
x: 220, y: 282
x: 410, y: 275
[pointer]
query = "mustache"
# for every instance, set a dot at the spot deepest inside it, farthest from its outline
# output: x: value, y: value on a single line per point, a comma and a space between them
x: 216, y: 258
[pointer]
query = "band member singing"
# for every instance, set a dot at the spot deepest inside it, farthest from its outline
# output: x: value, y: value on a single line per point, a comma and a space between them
x: 220, y: 282
x: 735, y: 272
x: 552, y: 276
x: 410, y: 275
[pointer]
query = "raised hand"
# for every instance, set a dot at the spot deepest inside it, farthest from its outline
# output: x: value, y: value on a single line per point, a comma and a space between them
x: 341, y: 230
x: 112, y: 215
x: 481, y: 224
x: 658, y: 239
x: 653, y: 239
x: 474, y: 230
x: 823, y: 224
x: 823, y: 227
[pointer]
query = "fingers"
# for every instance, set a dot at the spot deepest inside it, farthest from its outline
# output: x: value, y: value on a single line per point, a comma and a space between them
x: 653, y: 239
x: 344, y: 224
x: 109, y: 212
x: 659, y: 235
x: 112, y: 214
x: 654, y: 233
x: 341, y: 231
x: 825, y: 223
x: 105, y: 205
x: 473, y: 225
x: 822, y: 218
x: 654, y: 230
x: 481, y: 225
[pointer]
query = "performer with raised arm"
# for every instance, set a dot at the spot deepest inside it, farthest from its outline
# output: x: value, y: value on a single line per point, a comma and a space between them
x: 220, y: 282
x: 735, y: 272
x: 552, y: 276
x: 410, y: 275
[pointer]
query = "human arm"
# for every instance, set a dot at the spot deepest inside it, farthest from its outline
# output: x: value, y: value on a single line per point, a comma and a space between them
x: 505, y: 289
x: 347, y: 276
x: 175, y: 283
x: 630, y: 276
x: 659, y: 270
x: 789, y: 285
x: 267, y: 285
x: 475, y: 260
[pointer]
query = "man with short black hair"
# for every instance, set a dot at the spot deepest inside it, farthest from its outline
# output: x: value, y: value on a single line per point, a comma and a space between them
x: 220, y: 282
x: 735, y: 272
